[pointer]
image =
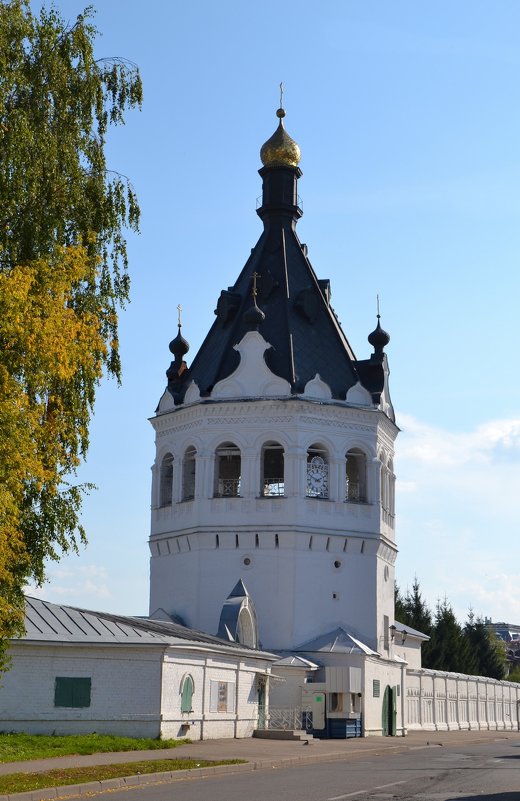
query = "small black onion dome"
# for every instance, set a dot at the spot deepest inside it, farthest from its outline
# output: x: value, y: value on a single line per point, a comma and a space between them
x: 254, y: 316
x: 379, y: 337
x: 179, y: 346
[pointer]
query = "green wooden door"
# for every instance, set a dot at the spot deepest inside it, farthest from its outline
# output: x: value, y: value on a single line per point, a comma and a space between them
x: 389, y: 712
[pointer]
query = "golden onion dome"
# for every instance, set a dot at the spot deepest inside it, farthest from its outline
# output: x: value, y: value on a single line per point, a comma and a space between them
x: 280, y: 150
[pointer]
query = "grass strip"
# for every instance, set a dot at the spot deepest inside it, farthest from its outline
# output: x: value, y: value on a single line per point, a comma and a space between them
x: 16, y: 747
x: 23, y: 782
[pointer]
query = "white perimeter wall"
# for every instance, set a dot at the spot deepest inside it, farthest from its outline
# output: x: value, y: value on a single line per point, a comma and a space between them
x: 134, y: 691
x: 201, y: 723
x: 440, y: 701
x: 125, y: 690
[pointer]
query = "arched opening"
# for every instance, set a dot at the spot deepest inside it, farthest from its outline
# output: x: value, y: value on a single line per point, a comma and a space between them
x: 317, y: 472
x: 272, y: 470
x: 384, y: 487
x: 187, y: 690
x: 166, y: 481
x: 227, y: 471
x: 188, y: 474
x: 391, y: 488
x: 356, y: 476
x: 246, y: 628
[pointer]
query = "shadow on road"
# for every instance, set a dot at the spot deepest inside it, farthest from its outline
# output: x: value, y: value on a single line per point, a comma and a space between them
x: 513, y: 796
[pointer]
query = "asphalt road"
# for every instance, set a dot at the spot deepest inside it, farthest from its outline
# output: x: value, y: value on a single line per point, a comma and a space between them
x: 485, y: 772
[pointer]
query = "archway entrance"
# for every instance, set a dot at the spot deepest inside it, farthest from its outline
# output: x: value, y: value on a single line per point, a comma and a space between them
x: 389, y: 712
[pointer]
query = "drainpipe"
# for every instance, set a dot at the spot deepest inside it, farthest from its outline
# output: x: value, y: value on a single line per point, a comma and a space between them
x: 404, y: 690
x: 203, y: 716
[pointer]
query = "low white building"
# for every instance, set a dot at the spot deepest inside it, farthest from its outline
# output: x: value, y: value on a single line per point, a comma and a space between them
x: 79, y: 671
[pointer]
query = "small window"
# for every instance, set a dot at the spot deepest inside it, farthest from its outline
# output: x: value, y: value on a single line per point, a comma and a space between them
x: 222, y: 696
x: 356, y: 476
x: 376, y: 688
x: 166, y: 481
x: 335, y: 702
x: 227, y: 471
x: 72, y: 692
x: 188, y: 475
x: 272, y: 470
x: 187, y: 688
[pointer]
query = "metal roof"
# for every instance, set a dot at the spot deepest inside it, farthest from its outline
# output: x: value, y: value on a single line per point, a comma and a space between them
x: 337, y: 641
x: 57, y: 623
x: 299, y: 322
x: 402, y: 629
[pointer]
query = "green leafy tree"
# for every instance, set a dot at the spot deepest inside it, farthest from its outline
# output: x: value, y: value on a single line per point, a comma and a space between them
x: 63, y: 270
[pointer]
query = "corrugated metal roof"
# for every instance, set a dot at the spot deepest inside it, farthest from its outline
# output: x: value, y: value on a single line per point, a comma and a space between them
x: 337, y: 641
x: 402, y: 629
x: 47, y: 622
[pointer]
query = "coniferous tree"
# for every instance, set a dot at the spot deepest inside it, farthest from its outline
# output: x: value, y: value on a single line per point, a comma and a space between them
x: 488, y: 651
x: 418, y: 613
x: 399, y: 605
x: 445, y: 650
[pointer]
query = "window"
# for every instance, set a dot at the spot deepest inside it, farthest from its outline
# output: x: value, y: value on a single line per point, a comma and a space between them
x: 317, y: 473
x: 227, y: 472
x: 188, y: 475
x: 222, y: 696
x: 335, y: 702
x: 272, y: 470
x: 187, y: 688
x: 384, y: 486
x: 166, y: 481
x: 391, y: 488
x: 356, y: 476
x: 72, y: 692
x: 376, y: 688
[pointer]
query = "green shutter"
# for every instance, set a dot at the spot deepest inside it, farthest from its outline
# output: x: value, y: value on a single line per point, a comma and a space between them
x: 81, y: 692
x: 376, y: 688
x: 72, y: 691
x: 187, y: 694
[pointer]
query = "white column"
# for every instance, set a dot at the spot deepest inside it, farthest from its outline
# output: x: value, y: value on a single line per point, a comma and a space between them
x: 295, y: 466
x: 250, y: 473
x: 204, y: 475
x: 154, y: 498
x: 337, y: 479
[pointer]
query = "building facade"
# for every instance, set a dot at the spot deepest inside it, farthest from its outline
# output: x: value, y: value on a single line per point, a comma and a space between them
x: 274, y: 458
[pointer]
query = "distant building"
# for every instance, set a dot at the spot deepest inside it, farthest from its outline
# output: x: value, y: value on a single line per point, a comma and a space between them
x: 507, y: 632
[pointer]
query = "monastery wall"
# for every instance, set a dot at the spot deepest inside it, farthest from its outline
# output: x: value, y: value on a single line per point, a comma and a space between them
x: 440, y: 701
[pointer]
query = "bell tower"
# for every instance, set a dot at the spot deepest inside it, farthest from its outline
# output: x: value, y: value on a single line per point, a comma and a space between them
x: 274, y: 453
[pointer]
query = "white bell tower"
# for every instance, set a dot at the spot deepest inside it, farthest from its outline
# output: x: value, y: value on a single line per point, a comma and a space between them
x: 274, y: 454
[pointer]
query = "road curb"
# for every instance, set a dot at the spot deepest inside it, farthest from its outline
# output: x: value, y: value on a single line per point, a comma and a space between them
x: 132, y: 780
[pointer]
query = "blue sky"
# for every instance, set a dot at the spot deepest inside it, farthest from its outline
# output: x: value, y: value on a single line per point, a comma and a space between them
x: 408, y: 118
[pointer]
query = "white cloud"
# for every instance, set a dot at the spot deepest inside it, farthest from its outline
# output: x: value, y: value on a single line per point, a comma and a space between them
x: 72, y: 585
x: 429, y: 445
x: 457, y: 521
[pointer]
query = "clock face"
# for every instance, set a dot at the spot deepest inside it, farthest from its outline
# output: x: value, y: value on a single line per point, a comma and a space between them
x: 317, y: 474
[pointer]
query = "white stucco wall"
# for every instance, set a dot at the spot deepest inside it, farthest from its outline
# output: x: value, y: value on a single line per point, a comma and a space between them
x: 199, y: 547
x: 439, y: 701
x: 202, y: 723
x: 125, y: 690
x: 133, y: 691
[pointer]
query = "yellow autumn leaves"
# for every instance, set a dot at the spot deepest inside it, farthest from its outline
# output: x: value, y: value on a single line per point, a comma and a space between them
x: 52, y: 351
